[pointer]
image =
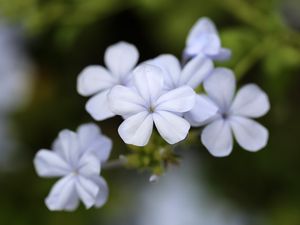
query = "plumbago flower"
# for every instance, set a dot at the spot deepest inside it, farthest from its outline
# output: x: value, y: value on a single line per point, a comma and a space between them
x: 192, y: 74
x: 97, y: 81
x: 146, y: 103
x: 234, y: 115
x: 203, y: 38
x: 77, y: 158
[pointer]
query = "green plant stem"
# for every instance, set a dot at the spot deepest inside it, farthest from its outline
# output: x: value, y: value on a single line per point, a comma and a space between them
x: 115, y: 164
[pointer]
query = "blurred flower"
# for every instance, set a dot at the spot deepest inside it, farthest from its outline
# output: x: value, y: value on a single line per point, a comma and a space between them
x: 182, y: 198
x: 120, y: 59
x: 15, y: 70
x: 204, y: 39
x: 149, y: 103
x: 15, y: 86
x: 233, y: 115
x: 77, y: 158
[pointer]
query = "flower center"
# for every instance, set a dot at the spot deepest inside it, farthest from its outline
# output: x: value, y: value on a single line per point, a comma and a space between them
x: 75, y: 172
x: 225, y: 115
x: 151, y: 109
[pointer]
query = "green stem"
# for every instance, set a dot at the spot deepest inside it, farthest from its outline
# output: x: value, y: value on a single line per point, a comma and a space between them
x: 114, y: 164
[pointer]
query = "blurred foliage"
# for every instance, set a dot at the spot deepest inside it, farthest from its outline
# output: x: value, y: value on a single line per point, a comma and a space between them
x: 66, y: 35
x: 154, y: 157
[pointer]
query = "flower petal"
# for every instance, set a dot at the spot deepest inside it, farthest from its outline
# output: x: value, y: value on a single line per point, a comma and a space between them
x: 91, y: 139
x: 87, y: 190
x: 181, y: 99
x: 223, y: 54
x: 125, y: 101
x: 250, y: 101
x: 217, y: 138
x: 171, y: 67
x: 203, y: 110
x: 249, y: 134
x: 102, y: 196
x: 220, y: 86
x: 69, y: 147
x: 207, y: 44
x: 195, y: 71
x: 98, y: 106
x: 94, y: 79
x: 121, y: 58
x: 63, y: 196
x: 203, y: 26
x: 50, y: 164
x: 89, y: 164
x: 148, y: 81
x: 171, y: 127
x: 137, y: 129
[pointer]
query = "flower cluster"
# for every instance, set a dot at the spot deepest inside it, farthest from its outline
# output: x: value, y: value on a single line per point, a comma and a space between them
x: 159, y: 92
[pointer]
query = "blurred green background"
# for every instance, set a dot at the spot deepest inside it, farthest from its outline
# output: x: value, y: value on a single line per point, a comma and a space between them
x: 61, y: 37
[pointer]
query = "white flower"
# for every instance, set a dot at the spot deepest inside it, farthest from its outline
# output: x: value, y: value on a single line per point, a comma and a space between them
x: 204, y: 39
x: 147, y: 103
x: 234, y: 115
x: 192, y: 74
x: 120, y: 60
x: 76, y: 157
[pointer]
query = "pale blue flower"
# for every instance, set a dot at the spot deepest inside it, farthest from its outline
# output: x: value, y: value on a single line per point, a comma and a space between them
x: 97, y: 81
x: 147, y: 102
x: 77, y: 158
x: 192, y: 74
x: 235, y: 115
x: 204, y: 39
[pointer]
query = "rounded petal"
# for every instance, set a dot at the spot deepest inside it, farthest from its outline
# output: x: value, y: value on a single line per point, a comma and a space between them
x: 171, y: 127
x: 178, y: 100
x: 89, y: 164
x: 249, y: 134
x: 63, y: 196
x: 171, y: 67
x: 87, y: 190
x: 137, y: 129
x: 102, y: 196
x: 94, y: 79
x: 217, y: 138
x: 98, y: 106
x: 121, y: 58
x: 91, y: 139
x: 125, y: 101
x: 87, y: 133
x: 73, y: 202
x: 207, y: 44
x: 50, y: 164
x: 202, y: 26
x: 69, y: 147
x: 195, y: 71
x: 203, y: 110
x: 101, y: 148
x: 250, y: 101
x: 148, y: 81
x: 220, y: 87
